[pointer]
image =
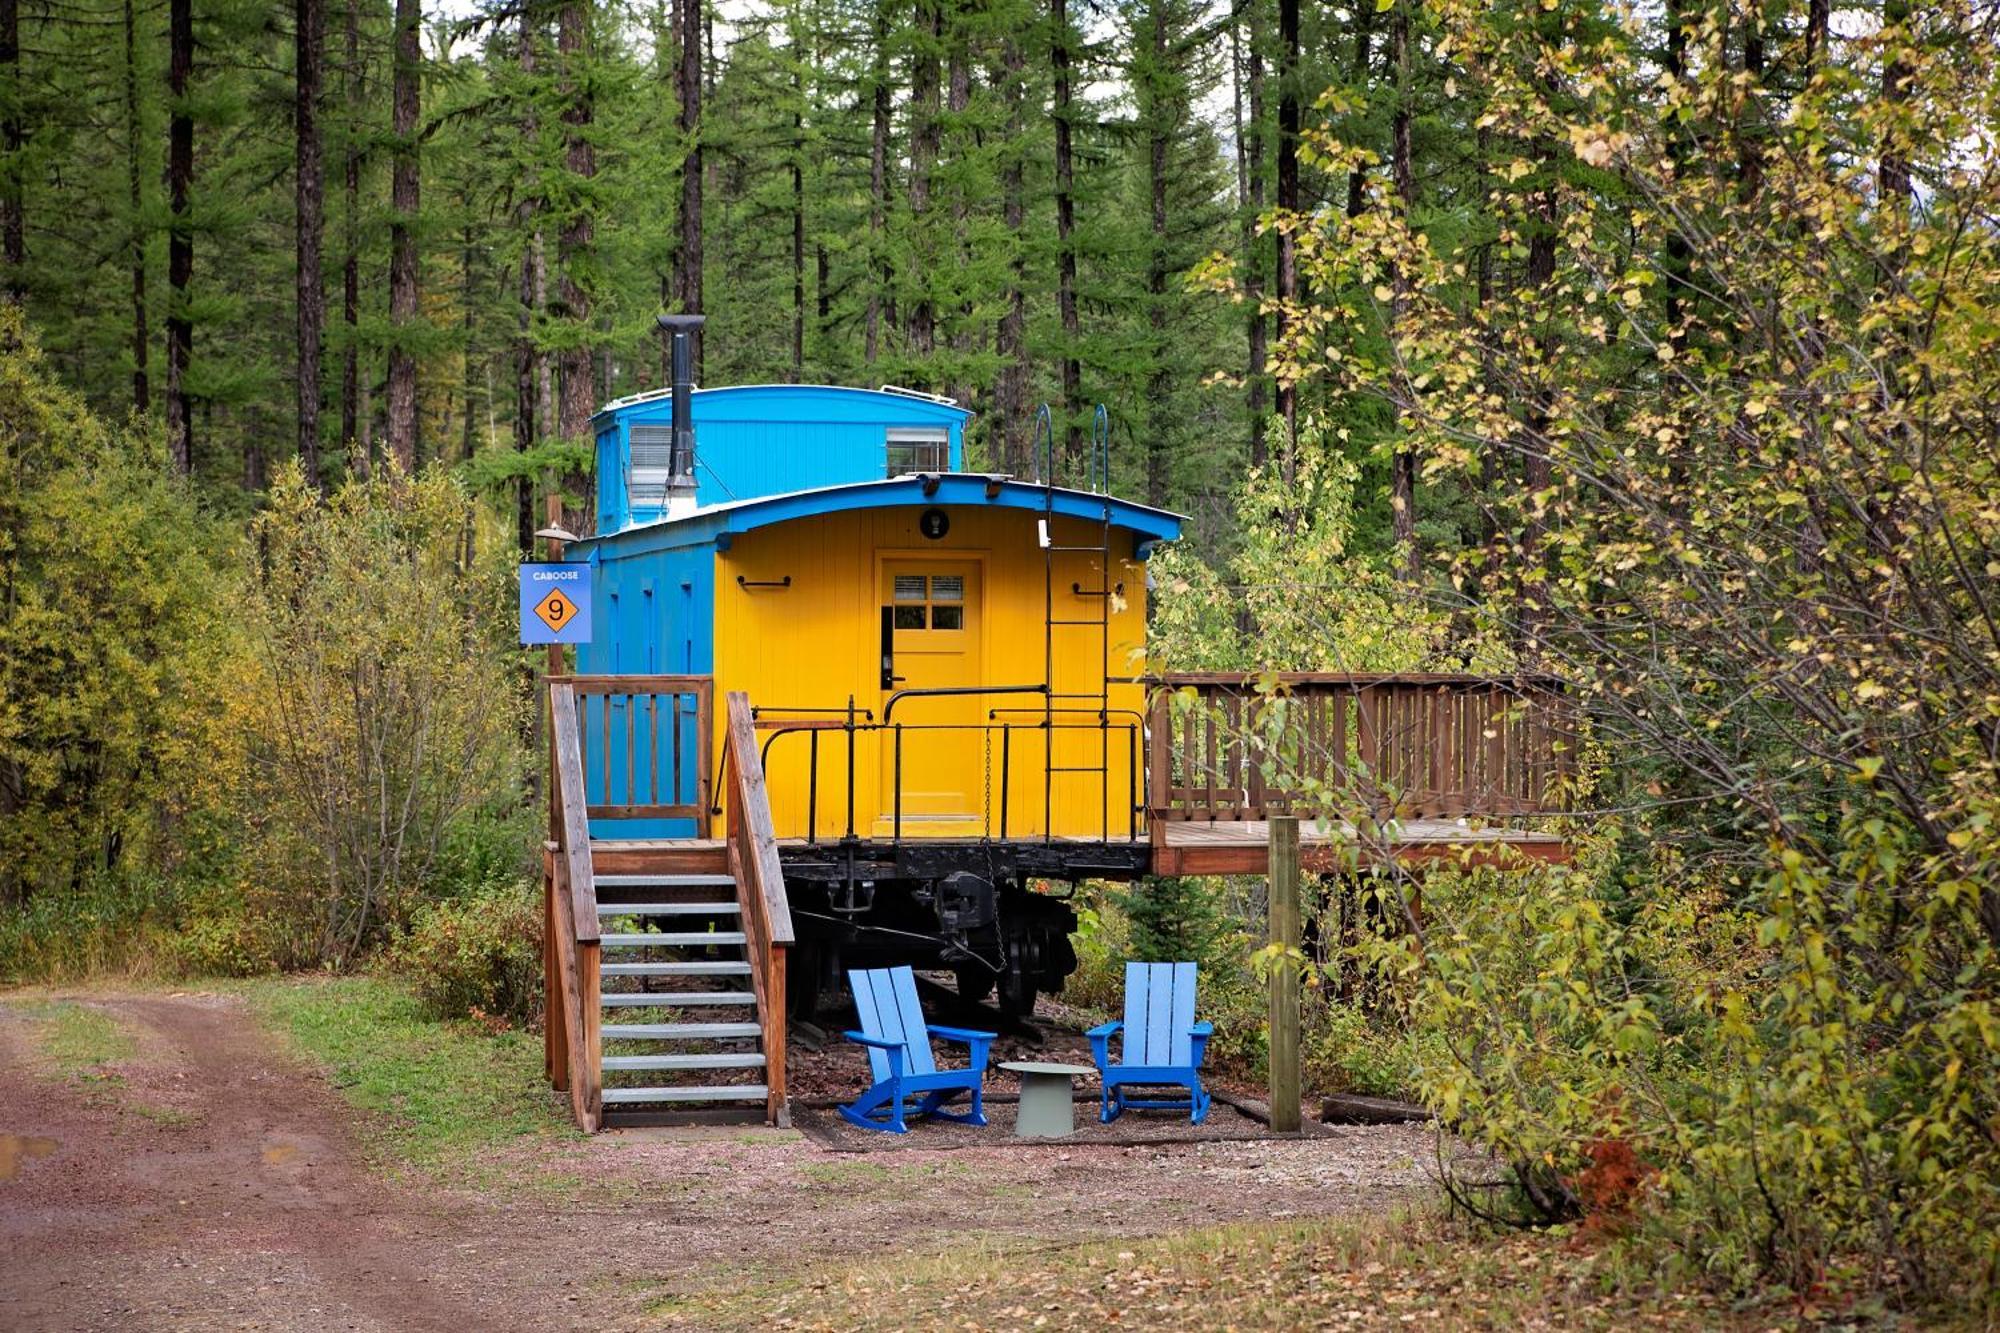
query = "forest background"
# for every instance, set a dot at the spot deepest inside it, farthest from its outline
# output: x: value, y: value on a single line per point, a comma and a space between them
x: 1655, y: 347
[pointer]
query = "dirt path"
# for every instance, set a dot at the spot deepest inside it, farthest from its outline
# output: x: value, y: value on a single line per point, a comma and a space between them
x: 244, y: 1205
x: 220, y: 1185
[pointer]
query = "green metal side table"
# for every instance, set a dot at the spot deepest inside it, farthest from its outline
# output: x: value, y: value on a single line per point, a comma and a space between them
x: 1047, y: 1109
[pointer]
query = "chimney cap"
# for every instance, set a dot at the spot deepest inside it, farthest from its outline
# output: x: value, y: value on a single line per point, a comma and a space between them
x: 682, y: 323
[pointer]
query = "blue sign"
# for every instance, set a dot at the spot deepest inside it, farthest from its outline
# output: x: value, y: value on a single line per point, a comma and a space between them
x: 555, y: 603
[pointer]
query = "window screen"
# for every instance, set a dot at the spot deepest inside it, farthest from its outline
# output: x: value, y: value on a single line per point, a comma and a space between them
x: 928, y: 601
x: 655, y: 460
x: 918, y: 449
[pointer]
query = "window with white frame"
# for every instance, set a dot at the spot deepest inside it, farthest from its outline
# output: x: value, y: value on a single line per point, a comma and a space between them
x: 918, y: 449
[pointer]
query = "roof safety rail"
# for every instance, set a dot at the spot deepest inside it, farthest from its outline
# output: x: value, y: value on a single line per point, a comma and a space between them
x: 918, y: 393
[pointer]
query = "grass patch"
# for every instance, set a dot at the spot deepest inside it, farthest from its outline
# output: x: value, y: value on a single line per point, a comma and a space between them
x: 1410, y: 1270
x: 81, y: 1044
x: 441, y: 1097
x: 844, y: 1174
x: 79, y: 1041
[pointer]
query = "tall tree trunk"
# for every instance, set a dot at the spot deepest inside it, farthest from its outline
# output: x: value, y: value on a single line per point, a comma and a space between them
x: 1537, y: 473
x: 527, y: 355
x: 468, y: 287
x: 13, y: 204
x: 574, y: 247
x: 798, y: 368
x: 1257, y: 331
x: 577, y: 238
x: 1160, y: 379
x: 309, y: 22
x: 1288, y: 209
x: 958, y: 97
x: 142, y: 390
x: 878, y: 192
x: 691, y: 170
x: 403, y: 204
x: 1819, y: 18
x: 180, y: 236
x: 1893, y: 174
x: 924, y: 138
x: 1072, y: 338
x: 1357, y: 175
x: 1751, y: 110
x: 1679, y: 256
x: 1491, y: 461
x: 1403, y: 463
x: 1010, y: 389
x: 1247, y: 77
x: 354, y: 85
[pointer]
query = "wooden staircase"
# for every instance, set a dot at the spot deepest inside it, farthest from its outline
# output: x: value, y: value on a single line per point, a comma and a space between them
x: 665, y: 961
x: 679, y: 1017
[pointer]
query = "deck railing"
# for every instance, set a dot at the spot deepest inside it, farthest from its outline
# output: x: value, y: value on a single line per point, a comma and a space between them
x: 649, y: 741
x: 760, y: 891
x: 572, y: 946
x: 1245, y: 746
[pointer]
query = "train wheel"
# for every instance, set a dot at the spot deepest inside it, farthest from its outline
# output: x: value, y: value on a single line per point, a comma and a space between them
x: 975, y: 982
x: 1017, y: 993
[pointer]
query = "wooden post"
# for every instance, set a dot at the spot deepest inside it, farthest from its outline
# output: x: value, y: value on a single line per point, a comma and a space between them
x: 555, y: 1036
x: 1284, y: 913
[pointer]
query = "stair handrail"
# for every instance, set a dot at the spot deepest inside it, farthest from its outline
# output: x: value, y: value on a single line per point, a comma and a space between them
x: 574, y: 939
x: 752, y: 843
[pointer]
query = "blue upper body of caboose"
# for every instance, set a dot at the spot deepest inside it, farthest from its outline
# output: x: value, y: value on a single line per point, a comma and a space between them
x: 755, y: 440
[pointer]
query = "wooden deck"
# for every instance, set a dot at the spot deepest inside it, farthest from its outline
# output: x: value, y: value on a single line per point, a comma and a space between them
x: 1187, y: 847
x: 1242, y: 846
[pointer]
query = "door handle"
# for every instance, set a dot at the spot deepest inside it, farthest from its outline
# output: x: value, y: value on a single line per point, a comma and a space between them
x: 889, y: 676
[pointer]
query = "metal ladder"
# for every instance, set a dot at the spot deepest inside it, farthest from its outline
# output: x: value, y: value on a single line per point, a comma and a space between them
x: 676, y: 976
x: 1098, y: 480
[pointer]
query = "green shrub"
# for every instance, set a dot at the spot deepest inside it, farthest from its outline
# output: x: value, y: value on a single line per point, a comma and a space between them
x: 1182, y: 920
x: 1103, y: 942
x: 476, y: 956
x: 377, y: 718
x: 121, y: 924
x: 228, y: 934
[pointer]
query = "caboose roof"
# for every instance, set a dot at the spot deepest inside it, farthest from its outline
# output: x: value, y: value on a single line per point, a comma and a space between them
x: 787, y: 403
x: 713, y: 523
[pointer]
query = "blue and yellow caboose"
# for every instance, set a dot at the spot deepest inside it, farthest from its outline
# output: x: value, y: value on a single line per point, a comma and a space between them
x: 943, y: 664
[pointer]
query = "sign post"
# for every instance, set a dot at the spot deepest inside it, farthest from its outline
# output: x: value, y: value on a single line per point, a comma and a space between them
x: 1284, y: 913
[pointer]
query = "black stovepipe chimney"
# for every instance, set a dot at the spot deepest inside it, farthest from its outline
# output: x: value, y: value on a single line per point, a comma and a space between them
x: 683, y: 329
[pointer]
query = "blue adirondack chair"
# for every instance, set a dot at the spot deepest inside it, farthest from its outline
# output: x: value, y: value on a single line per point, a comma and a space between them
x: 1163, y: 1044
x: 899, y: 1053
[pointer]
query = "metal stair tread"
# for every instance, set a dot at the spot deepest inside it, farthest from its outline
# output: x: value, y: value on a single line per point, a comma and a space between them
x: 728, y: 1092
x: 707, y: 967
x: 681, y: 939
x: 668, y: 909
x: 662, y: 881
x: 674, y: 999
x: 679, y: 1031
x: 744, y: 1060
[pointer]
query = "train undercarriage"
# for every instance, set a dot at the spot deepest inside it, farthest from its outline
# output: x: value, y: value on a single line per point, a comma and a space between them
x: 995, y: 914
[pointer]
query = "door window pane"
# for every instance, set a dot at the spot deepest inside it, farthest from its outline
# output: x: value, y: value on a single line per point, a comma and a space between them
x: 909, y: 617
x: 947, y: 587
x: 947, y: 617
x: 909, y: 587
